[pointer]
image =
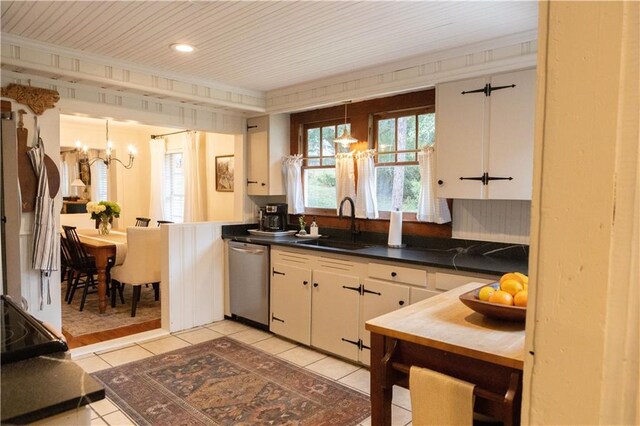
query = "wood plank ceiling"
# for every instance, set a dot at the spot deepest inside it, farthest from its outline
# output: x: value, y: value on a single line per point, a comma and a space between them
x: 264, y: 45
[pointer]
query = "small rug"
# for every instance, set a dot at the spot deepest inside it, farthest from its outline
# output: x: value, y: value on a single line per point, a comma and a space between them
x: 225, y: 382
x: 89, y: 321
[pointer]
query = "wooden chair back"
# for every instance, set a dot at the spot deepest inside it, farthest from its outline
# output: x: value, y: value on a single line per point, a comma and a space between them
x: 142, y: 222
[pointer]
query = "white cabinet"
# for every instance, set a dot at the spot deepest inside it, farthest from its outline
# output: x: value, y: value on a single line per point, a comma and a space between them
x: 267, y: 143
x: 290, y: 303
x: 486, y: 138
x: 324, y: 300
x: 445, y: 281
x: 378, y: 298
x: 334, y: 313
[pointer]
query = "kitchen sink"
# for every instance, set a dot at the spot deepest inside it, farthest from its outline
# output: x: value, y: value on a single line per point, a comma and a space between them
x: 344, y: 245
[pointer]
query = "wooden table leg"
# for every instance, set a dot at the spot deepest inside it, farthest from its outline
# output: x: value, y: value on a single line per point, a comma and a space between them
x: 381, y: 390
x: 101, y: 265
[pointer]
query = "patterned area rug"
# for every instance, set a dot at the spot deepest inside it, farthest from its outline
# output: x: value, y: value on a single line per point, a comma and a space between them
x: 88, y: 321
x: 225, y: 382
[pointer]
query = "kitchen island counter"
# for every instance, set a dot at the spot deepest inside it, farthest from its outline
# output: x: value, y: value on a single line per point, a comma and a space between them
x: 444, y: 335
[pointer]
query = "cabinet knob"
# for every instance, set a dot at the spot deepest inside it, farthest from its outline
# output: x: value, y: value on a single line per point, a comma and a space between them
x: 315, y: 284
x: 401, y: 302
x: 393, y: 274
x: 440, y: 181
x: 263, y: 184
x: 305, y: 282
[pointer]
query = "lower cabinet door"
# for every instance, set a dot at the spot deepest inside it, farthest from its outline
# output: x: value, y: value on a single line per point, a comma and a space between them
x: 334, y: 313
x: 378, y: 299
x: 290, y: 313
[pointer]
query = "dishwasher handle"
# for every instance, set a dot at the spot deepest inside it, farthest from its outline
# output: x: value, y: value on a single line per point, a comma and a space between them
x: 248, y: 251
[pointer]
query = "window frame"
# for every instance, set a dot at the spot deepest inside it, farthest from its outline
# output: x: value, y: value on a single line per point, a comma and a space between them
x: 305, y: 149
x: 429, y: 109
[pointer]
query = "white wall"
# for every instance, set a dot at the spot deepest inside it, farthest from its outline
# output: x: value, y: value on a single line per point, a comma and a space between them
x: 30, y: 279
x: 582, y: 328
x: 220, y: 205
x: 506, y: 221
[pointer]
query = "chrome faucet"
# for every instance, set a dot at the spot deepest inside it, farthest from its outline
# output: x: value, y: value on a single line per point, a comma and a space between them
x: 353, y: 216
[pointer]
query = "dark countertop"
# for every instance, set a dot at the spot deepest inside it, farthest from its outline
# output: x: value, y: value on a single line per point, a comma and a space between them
x: 41, y: 387
x: 460, y: 255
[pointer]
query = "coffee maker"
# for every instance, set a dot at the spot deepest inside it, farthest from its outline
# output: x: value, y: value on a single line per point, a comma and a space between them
x: 274, y: 217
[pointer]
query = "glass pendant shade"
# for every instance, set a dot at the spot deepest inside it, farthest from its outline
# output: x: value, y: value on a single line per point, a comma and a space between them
x: 345, y: 139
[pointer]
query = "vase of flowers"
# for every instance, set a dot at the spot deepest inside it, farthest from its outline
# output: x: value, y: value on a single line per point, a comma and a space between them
x: 103, y: 212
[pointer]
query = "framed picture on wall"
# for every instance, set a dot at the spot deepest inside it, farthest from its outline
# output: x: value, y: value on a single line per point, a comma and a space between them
x: 224, y: 173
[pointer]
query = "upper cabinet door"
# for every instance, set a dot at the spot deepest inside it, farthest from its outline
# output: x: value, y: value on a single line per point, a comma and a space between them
x: 486, y: 135
x: 258, y: 152
x: 267, y: 143
x: 460, y: 131
x: 511, y: 125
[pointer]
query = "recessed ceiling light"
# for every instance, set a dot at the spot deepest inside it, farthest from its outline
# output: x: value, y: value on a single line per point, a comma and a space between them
x: 181, y: 47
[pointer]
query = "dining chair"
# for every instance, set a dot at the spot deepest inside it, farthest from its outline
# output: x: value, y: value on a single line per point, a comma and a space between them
x: 84, y: 266
x: 66, y: 265
x: 160, y: 222
x: 142, y: 263
x: 142, y: 222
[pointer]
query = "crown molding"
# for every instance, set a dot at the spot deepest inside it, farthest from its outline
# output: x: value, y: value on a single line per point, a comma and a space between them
x: 517, y: 51
x: 22, y: 55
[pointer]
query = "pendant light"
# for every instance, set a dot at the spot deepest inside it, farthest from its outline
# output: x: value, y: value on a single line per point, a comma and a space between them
x: 345, y: 138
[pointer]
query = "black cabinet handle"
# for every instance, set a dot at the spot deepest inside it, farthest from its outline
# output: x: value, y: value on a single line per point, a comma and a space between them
x: 393, y: 274
x: 263, y: 184
x: 274, y: 272
x: 251, y: 181
x: 305, y: 282
x: 315, y: 284
x: 440, y: 182
x: 275, y: 318
x: 401, y: 302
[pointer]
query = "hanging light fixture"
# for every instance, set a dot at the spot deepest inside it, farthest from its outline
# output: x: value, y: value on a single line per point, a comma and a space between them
x: 108, y: 157
x: 345, y: 138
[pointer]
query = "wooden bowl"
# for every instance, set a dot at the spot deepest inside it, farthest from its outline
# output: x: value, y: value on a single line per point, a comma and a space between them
x: 493, y: 310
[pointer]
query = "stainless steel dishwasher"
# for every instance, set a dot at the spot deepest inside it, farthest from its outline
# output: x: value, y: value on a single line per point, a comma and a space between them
x: 249, y: 282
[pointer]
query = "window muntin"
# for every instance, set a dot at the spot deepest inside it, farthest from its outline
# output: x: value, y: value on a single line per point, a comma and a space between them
x: 174, y: 187
x: 319, y: 173
x: 399, y: 136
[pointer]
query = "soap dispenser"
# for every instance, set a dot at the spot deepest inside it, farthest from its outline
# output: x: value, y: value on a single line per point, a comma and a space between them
x: 314, y: 228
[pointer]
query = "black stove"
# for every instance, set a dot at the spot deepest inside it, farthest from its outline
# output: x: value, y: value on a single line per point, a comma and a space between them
x: 23, y: 336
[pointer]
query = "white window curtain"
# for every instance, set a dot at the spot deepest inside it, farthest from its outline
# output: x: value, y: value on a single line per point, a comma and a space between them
x: 292, y: 171
x: 64, y: 177
x: 193, y: 172
x: 430, y: 208
x: 96, y: 192
x: 71, y: 166
x: 157, y: 152
x: 367, y: 201
x: 345, y: 178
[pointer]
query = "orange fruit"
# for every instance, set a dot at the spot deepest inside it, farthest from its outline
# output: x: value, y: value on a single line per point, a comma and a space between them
x: 502, y: 298
x: 523, y: 278
x: 520, y: 299
x: 511, y: 286
x: 485, y: 293
x: 508, y: 276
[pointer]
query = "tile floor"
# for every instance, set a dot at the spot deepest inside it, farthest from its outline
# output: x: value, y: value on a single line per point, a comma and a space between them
x: 106, y: 413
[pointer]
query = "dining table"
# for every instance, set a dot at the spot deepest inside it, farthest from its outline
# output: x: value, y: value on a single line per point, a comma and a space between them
x: 102, y: 247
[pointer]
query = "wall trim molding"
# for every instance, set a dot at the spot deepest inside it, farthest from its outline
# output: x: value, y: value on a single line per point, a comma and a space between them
x: 510, y: 53
x: 98, y: 102
x: 23, y: 55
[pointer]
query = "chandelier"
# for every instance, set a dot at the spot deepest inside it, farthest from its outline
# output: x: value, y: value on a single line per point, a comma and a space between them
x: 84, y: 150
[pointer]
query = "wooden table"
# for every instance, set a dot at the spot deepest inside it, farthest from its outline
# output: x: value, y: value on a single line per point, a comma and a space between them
x: 101, y: 247
x: 442, y: 334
